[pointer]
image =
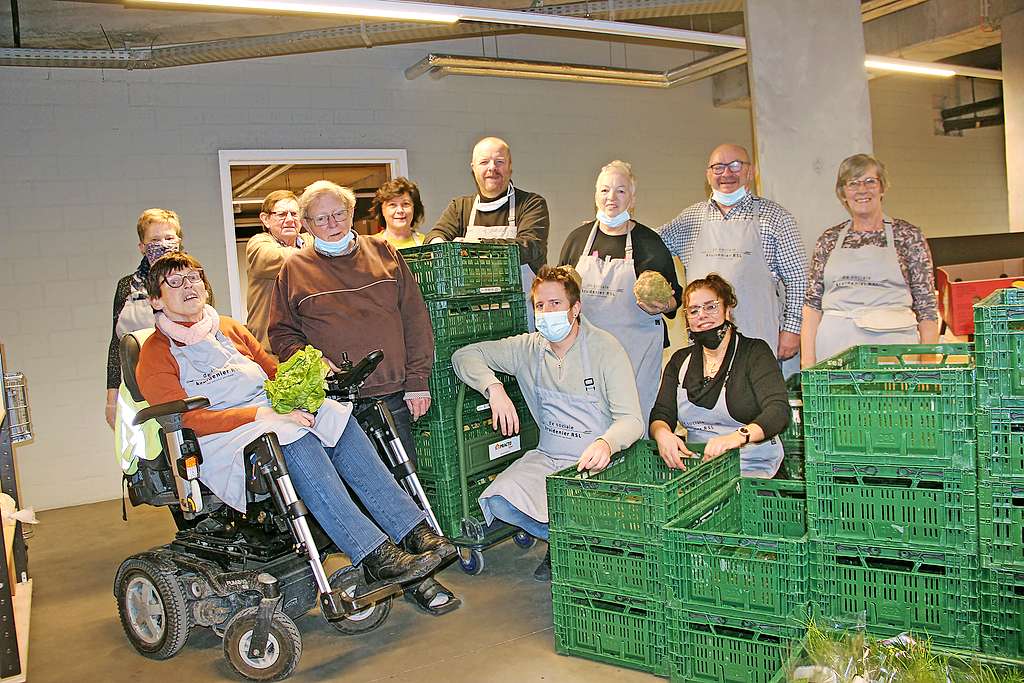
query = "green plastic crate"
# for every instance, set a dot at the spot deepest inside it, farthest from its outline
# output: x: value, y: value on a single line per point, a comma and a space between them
x: 935, y: 507
x: 438, y: 454
x: 1002, y: 613
x: 1001, y: 442
x: 1001, y: 524
x: 999, y: 343
x: 745, y: 556
x: 636, y: 495
x: 900, y: 404
x: 610, y: 627
x: 929, y: 593
x: 445, y: 496
x: 607, y: 563
x: 461, y: 320
x: 711, y: 648
x: 451, y: 269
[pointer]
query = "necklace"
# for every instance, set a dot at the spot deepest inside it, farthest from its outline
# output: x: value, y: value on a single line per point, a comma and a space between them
x: 711, y: 364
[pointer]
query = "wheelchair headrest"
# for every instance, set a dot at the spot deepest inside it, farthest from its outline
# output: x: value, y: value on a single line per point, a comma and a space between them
x: 131, y: 345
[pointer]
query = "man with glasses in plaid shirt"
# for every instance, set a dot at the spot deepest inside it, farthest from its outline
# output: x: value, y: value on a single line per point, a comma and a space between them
x: 750, y: 241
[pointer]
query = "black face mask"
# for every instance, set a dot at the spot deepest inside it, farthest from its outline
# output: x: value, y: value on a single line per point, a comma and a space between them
x: 711, y: 338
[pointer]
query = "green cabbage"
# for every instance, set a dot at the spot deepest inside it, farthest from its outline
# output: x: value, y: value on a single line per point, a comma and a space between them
x: 652, y: 288
x: 299, y: 382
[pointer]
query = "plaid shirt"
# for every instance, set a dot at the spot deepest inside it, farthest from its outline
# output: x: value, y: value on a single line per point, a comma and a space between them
x: 780, y: 240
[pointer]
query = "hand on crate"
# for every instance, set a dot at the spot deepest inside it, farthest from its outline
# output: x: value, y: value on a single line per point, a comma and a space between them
x: 503, y: 412
x: 596, y: 457
x: 671, y: 448
x: 717, y: 445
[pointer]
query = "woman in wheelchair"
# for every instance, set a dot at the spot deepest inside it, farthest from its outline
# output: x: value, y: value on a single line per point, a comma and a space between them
x: 196, y: 352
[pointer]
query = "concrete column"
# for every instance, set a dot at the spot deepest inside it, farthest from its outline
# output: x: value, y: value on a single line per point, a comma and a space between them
x: 1013, y: 113
x: 810, y: 102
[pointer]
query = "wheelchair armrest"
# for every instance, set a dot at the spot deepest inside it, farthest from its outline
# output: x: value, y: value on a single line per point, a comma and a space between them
x: 172, y: 408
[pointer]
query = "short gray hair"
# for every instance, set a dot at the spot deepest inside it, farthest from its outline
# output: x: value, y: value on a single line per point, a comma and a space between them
x: 856, y: 166
x: 321, y: 188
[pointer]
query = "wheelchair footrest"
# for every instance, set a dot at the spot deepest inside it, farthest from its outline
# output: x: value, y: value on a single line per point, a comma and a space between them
x: 338, y: 604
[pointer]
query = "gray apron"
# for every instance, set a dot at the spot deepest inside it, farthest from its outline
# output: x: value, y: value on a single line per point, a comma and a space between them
x: 733, y: 250
x: 866, y: 298
x: 760, y: 460
x: 608, y: 300
x: 568, y: 424
x: 476, y: 232
x: 215, y: 369
x: 136, y: 314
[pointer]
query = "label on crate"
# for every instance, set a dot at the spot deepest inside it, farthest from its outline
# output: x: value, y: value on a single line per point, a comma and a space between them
x: 490, y: 290
x: 503, y: 448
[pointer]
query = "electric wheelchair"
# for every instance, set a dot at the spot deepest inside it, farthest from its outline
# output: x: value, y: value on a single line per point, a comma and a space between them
x: 246, y: 576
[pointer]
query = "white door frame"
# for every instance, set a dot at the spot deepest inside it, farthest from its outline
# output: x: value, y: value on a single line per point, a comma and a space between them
x: 396, y: 160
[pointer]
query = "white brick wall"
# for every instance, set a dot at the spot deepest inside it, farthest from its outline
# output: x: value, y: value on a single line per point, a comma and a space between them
x: 84, y: 151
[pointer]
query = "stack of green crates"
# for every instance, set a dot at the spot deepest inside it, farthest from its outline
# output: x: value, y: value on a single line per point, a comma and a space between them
x: 999, y: 349
x: 891, y: 490
x: 736, y: 569
x: 473, y: 293
x: 608, y: 585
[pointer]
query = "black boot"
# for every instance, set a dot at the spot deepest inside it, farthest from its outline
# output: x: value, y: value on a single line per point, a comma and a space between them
x: 388, y: 562
x: 543, y: 570
x: 422, y: 539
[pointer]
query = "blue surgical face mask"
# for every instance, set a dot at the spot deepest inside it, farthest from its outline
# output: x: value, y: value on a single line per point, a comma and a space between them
x: 613, y: 222
x: 728, y: 199
x: 554, y: 326
x: 334, y: 248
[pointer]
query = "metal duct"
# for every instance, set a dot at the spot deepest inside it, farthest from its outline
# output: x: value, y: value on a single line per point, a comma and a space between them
x: 440, y: 65
x: 344, y: 37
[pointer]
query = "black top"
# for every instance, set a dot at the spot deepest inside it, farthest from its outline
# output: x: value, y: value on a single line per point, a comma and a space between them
x: 649, y: 253
x: 755, y: 389
x: 121, y: 292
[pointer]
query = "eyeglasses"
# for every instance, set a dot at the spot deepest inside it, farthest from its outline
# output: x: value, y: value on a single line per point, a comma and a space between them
x: 734, y: 166
x: 176, y: 280
x: 281, y: 215
x: 711, y: 308
x: 866, y: 183
x: 338, y: 216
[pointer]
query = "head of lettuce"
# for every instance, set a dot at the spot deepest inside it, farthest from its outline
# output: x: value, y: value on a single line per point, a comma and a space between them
x: 299, y: 383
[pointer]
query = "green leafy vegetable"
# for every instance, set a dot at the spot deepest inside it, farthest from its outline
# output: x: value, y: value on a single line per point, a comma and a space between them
x: 299, y: 382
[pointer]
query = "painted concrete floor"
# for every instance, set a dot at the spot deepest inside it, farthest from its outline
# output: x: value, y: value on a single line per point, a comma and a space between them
x: 501, y: 634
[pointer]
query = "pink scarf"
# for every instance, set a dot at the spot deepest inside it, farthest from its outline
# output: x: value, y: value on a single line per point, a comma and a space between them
x: 189, y: 334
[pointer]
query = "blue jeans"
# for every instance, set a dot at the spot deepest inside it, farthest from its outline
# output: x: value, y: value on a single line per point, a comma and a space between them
x: 319, y: 476
x: 510, y: 514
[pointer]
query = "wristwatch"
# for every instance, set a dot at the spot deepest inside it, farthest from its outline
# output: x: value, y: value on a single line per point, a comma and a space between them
x: 746, y: 434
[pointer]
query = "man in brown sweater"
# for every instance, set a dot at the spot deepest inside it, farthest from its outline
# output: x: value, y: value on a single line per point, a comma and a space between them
x: 348, y: 294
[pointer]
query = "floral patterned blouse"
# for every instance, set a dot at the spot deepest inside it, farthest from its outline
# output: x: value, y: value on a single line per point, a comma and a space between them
x: 911, y: 249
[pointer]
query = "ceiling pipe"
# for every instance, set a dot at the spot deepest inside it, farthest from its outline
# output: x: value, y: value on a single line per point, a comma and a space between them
x: 337, y: 38
x: 15, y: 23
x: 426, y: 11
x: 440, y: 65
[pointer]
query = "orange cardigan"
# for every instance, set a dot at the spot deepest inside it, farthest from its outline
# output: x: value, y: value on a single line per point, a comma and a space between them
x: 158, y: 377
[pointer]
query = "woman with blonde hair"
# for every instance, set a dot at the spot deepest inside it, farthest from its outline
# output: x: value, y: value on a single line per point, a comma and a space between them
x: 612, y: 253
x: 159, y: 232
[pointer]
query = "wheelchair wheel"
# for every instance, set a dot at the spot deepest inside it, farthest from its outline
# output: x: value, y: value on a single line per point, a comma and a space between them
x: 472, y: 562
x: 284, y: 646
x: 151, y: 604
x: 353, y: 581
x: 524, y: 540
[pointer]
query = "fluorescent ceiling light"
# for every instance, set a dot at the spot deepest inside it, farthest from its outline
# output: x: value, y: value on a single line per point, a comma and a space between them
x: 907, y: 67
x: 373, y: 9
x: 442, y: 13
